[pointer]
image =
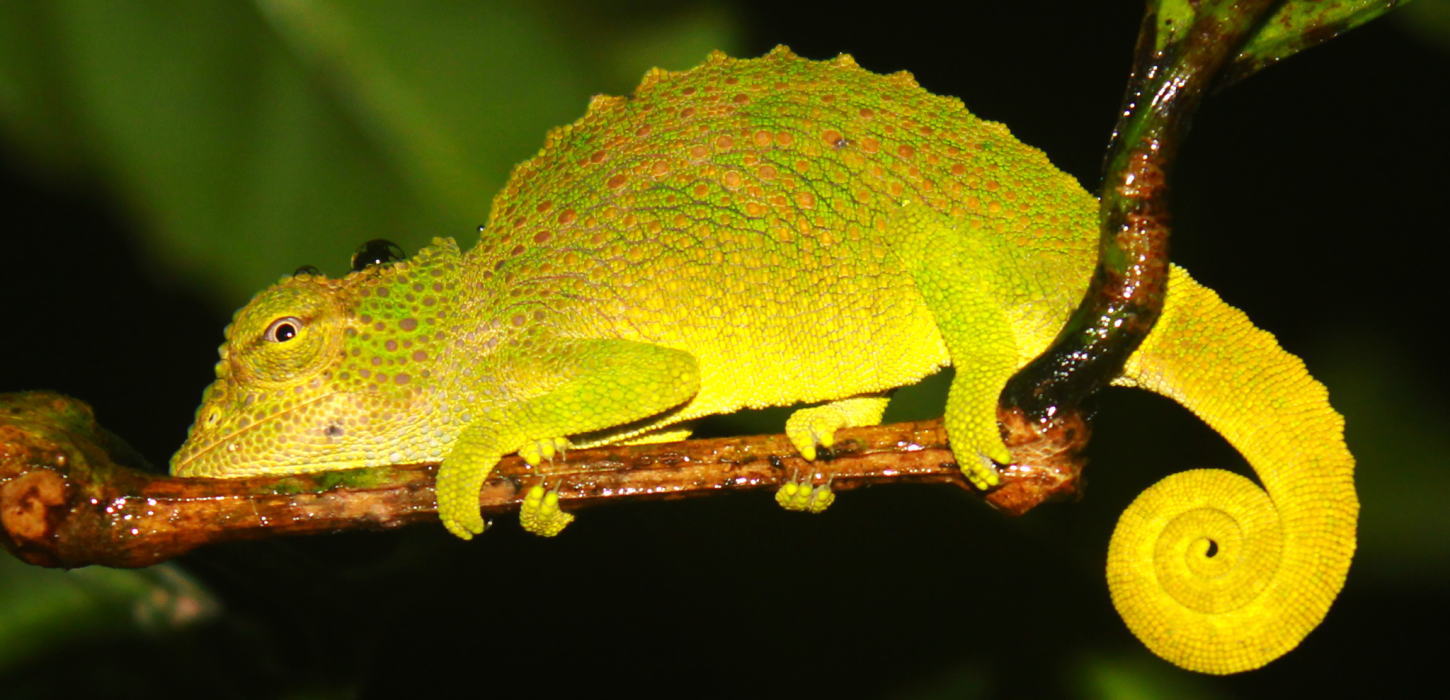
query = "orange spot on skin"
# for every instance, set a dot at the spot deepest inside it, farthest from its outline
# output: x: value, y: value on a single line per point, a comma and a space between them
x: 701, y: 190
x: 688, y: 91
x: 867, y: 113
x: 805, y: 199
x: 762, y: 138
x: 906, y: 151
x: 681, y: 221
x: 766, y: 172
x: 754, y: 209
x: 597, y: 157
x: 643, y: 131
x: 740, y: 99
x: 567, y: 217
x: 660, y: 168
x: 542, y: 237
x: 959, y: 169
x: 784, y: 138
x: 725, y: 143
x: 544, y: 206
x: 832, y: 138
x: 731, y: 179
x: 699, y: 152
x: 870, y: 145
x: 616, y: 182
x: 687, y: 112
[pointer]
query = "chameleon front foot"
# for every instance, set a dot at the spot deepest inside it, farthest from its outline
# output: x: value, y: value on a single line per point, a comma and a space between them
x: 540, y: 513
x: 799, y: 495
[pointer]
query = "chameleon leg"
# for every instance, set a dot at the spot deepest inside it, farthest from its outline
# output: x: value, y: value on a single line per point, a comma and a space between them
x: 604, y: 383
x: 952, y: 273
x: 817, y: 425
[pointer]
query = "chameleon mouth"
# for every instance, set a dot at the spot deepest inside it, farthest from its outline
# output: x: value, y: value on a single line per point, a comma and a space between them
x: 182, y: 467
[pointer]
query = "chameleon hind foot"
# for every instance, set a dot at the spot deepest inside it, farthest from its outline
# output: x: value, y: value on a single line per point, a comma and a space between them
x: 799, y: 495
x: 540, y: 513
x: 817, y: 425
x: 983, y: 474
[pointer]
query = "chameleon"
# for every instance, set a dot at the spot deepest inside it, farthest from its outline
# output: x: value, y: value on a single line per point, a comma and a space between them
x: 780, y: 231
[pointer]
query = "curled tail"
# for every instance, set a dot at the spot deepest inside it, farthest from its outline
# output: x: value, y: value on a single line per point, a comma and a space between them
x: 1208, y: 570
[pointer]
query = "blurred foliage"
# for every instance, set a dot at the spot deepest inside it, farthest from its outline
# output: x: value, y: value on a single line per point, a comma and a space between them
x: 253, y: 138
x: 41, y: 609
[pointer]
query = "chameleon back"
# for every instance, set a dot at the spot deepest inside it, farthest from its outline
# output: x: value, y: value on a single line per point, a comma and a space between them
x: 742, y: 211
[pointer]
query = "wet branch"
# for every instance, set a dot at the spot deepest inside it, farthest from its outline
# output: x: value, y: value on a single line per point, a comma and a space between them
x: 72, y: 494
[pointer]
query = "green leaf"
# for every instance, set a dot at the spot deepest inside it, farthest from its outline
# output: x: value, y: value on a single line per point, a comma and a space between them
x: 1294, y: 26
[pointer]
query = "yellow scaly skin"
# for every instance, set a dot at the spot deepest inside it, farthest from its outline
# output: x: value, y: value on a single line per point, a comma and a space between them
x: 764, y: 232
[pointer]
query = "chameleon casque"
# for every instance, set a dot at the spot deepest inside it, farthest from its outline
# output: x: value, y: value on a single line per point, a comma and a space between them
x: 776, y: 231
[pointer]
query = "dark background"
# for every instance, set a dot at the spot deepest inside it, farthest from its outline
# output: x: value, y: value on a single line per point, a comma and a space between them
x: 1310, y: 196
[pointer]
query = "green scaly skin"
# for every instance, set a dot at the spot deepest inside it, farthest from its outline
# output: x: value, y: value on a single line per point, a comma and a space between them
x: 748, y: 233
x: 755, y: 233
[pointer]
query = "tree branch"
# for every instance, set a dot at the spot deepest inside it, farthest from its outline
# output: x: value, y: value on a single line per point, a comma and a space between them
x: 72, y: 494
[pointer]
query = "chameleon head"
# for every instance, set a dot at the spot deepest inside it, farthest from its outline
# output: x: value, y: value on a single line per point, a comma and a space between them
x: 320, y: 374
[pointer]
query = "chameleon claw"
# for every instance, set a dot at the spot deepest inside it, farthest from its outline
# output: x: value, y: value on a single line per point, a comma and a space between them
x: 540, y: 513
x: 539, y: 451
x: 798, y: 495
x: 983, y: 475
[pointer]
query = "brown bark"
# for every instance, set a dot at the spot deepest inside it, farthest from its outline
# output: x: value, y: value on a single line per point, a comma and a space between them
x: 71, y: 493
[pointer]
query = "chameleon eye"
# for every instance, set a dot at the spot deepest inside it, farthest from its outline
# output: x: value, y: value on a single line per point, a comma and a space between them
x: 283, y: 329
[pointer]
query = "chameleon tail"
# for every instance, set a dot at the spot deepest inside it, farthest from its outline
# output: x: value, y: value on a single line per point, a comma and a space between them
x: 1208, y: 570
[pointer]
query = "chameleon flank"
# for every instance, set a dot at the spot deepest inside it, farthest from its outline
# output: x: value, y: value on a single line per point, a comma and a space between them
x: 775, y: 231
